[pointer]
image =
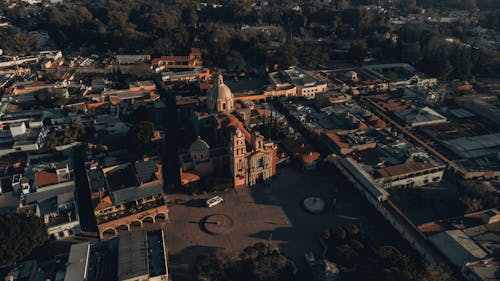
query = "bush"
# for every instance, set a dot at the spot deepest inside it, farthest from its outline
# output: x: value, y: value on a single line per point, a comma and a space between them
x: 351, y: 230
x: 338, y: 234
x: 345, y: 255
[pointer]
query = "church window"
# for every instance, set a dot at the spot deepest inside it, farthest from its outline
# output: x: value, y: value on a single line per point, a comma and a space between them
x: 260, y: 162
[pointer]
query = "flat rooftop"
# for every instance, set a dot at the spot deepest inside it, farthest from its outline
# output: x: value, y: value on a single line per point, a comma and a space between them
x: 77, y: 262
x: 246, y: 85
x: 132, y: 255
x: 477, y: 146
x: 122, y: 176
x: 301, y: 78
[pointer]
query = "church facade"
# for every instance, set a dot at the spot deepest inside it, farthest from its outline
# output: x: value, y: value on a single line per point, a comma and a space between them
x: 248, y: 156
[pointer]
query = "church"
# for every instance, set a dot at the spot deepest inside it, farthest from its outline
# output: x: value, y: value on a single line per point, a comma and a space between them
x: 245, y: 156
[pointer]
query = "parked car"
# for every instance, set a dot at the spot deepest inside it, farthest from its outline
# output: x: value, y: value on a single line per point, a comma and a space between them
x: 214, y: 201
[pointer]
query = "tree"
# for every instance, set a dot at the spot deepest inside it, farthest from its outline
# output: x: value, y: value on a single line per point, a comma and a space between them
x: 474, y: 196
x: 141, y: 133
x: 272, y: 267
x: 469, y: 205
x: 20, y: 233
x: 69, y: 135
x: 345, y: 254
x: 351, y: 230
x: 411, y: 52
x: 435, y: 273
x: 358, y: 50
x: 51, y: 99
x: 338, y: 234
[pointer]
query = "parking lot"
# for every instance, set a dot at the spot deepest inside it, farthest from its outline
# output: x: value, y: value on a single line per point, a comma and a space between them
x: 269, y: 213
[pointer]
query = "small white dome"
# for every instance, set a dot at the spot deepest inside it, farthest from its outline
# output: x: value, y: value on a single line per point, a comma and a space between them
x: 351, y: 75
x: 199, y: 145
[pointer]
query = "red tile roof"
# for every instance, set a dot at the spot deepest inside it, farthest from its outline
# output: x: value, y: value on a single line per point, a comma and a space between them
x: 44, y: 178
x: 230, y: 121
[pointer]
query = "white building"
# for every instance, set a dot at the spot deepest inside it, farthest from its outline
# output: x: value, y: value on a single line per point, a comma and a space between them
x: 307, y: 85
x: 410, y: 174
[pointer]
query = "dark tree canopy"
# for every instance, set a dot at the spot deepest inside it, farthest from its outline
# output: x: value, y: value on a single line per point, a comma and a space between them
x: 255, y: 264
x: 20, y: 234
x: 141, y: 133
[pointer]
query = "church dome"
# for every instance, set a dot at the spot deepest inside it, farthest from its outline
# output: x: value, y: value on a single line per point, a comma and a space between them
x: 220, y: 91
x: 199, y: 145
x: 351, y: 75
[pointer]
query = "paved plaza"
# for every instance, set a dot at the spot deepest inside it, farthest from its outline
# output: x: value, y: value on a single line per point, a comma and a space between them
x: 269, y: 212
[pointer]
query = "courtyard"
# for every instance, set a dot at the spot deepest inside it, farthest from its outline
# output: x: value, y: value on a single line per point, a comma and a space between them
x: 269, y: 213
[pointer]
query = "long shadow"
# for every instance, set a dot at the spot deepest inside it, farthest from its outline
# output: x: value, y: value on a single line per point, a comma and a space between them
x: 82, y: 191
x: 305, y: 229
x: 171, y: 175
x: 196, y: 203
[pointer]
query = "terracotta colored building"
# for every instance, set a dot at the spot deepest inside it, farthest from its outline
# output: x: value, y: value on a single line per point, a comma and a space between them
x: 128, y: 196
x: 193, y: 60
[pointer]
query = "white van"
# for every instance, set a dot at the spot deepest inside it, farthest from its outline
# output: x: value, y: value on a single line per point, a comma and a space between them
x: 212, y: 202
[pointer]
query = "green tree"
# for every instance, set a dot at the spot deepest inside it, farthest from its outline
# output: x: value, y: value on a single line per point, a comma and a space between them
x: 411, y: 52
x: 345, y: 254
x: 469, y: 205
x: 272, y: 267
x: 435, y: 273
x: 51, y: 99
x: 358, y: 50
x: 141, y: 133
x: 20, y: 234
x: 338, y: 234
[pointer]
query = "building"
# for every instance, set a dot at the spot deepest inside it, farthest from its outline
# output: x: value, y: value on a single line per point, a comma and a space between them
x: 281, y: 86
x: 130, y: 197
x: 307, y: 85
x: 78, y: 262
x: 345, y: 142
x: 22, y: 137
x: 302, y: 152
x: 203, y: 160
x: 410, y: 174
x: 220, y: 97
x: 138, y: 255
x: 377, y: 78
x: 482, y: 270
x: 466, y: 240
x: 51, y: 196
x: 142, y: 256
x: 251, y: 158
x: 254, y: 165
x: 191, y: 61
x: 127, y: 60
x: 420, y: 117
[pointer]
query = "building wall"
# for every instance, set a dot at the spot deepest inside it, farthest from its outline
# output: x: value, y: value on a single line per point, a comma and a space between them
x: 419, y: 178
x: 128, y: 220
x: 291, y: 92
x: 259, y: 167
x: 310, y: 92
x: 163, y: 277
x: 397, y: 219
x: 62, y: 231
x: 144, y: 277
